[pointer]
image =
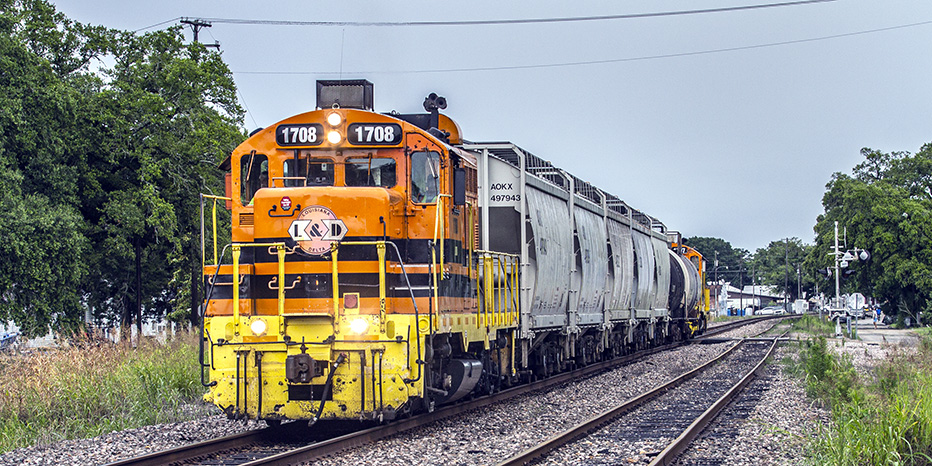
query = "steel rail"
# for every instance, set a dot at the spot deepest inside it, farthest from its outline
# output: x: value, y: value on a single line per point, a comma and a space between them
x: 679, y: 445
x: 187, y: 452
x: 334, y: 445
x: 208, y: 447
x: 329, y: 447
x: 599, y: 420
x: 739, y: 323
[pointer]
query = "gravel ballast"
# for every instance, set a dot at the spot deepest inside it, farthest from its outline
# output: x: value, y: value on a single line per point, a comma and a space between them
x: 492, y: 434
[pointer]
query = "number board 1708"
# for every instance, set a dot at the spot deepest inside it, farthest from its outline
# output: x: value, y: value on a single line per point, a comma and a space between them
x: 311, y: 134
x: 374, y: 134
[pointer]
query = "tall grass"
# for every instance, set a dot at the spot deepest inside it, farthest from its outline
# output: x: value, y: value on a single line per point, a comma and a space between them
x: 88, y: 390
x: 886, y: 420
x: 814, y: 325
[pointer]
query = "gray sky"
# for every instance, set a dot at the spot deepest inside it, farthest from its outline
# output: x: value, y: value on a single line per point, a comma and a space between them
x: 694, y: 119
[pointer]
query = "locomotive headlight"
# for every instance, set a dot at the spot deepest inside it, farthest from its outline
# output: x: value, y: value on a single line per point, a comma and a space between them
x: 334, y: 137
x: 334, y: 119
x: 359, y: 326
x: 258, y: 327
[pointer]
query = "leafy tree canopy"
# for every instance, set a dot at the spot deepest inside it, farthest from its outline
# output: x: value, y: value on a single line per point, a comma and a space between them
x: 710, y: 248
x: 100, y: 168
x: 886, y: 208
x: 731, y: 260
x: 781, y: 265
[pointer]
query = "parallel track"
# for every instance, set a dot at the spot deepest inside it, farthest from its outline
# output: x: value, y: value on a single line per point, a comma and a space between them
x: 640, y: 418
x: 280, y: 445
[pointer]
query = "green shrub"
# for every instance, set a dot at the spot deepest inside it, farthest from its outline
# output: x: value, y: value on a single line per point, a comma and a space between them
x: 887, y: 420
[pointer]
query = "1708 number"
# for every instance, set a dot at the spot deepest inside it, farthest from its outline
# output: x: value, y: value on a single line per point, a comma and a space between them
x: 299, y: 135
x: 369, y: 134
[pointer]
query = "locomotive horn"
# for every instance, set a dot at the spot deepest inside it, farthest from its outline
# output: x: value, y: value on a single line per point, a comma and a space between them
x: 433, y: 102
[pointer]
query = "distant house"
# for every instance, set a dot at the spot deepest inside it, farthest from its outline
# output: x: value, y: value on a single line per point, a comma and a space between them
x: 725, y: 297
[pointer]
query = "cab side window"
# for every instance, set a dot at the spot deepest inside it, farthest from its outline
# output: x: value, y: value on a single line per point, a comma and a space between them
x: 254, y: 175
x: 425, y: 177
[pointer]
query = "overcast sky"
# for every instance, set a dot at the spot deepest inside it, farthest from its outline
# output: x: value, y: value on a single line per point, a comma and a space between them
x: 725, y: 124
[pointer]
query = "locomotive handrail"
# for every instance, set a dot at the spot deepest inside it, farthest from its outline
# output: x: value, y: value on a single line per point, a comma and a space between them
x: 380, y: 245
x: 215, y: 199
x: 280, y: 247
x: 203, y: 317
x: 439, y: 234
x: 380, y: 250
x: 273, y: 283
x: 295, y: 210
x: 210, y: 280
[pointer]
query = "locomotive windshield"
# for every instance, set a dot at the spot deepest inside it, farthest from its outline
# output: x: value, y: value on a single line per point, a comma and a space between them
x: 369, y: 171
x: 320, y: 172
x: 425, y: 175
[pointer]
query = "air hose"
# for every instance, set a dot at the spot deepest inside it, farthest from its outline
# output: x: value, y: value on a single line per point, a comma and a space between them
x: 327, y: 386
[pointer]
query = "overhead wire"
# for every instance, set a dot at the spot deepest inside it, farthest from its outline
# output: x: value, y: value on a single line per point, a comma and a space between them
x: 158, y: 24
x: 510, y: 21
x: 605, y: 61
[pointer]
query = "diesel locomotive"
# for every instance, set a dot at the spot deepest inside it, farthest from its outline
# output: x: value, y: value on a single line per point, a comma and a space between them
x: 380, y: 264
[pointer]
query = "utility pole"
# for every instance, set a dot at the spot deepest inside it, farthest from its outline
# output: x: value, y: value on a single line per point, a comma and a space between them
x: 196, y: 25
x: 799, y: 285
x: 837, y: 268
x: 786, y: 271
x: 842, y: 259
x: 741, y: 281
x: 717, y: 290
x: 755, y: 301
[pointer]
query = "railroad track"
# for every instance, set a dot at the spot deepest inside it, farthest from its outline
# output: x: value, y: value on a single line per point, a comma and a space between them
x: 293, y: 442
x: 238, y: 448
x: 672, y: 414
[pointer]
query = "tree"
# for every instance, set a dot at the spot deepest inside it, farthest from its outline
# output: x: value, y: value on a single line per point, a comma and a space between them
x: 42, y: 231
x: 780, y: 265
x: 731, y: 261
x: 100, y: 170
x: 886, y: 207
x: 171, y: 116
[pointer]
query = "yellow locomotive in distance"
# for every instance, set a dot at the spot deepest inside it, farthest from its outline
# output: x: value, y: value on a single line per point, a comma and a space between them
x: 382, y: 265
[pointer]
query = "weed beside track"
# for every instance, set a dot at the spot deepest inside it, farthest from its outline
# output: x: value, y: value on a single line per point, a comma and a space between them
x: 881, y: 416
x: 93, y: 388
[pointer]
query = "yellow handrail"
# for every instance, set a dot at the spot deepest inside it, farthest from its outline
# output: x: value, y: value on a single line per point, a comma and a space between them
x: 495, y: 308
x: 439, y: 233
x: 380, y: 250
x: 215, y: 198
x: 281, y: 280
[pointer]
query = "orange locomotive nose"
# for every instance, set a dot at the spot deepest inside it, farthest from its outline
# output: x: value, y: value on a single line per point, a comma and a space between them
x: 314, y: 218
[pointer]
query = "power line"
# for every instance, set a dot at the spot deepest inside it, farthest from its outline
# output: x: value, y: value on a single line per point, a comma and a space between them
x: 248, y: 112
x: 509, y: 21
x: 600, y: 62
x: 158, y: 24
